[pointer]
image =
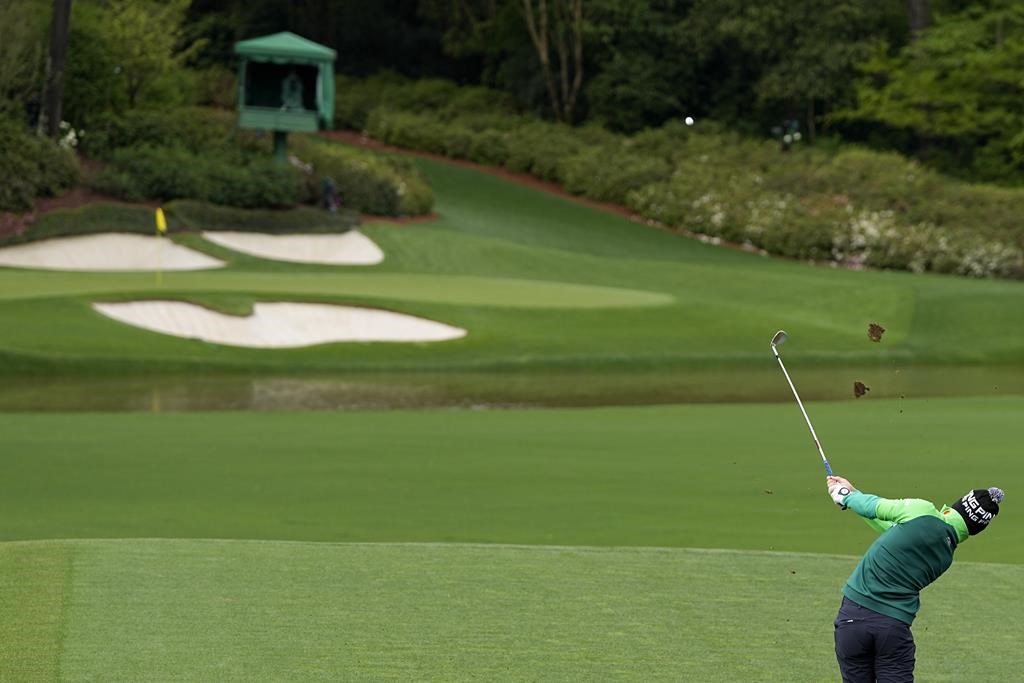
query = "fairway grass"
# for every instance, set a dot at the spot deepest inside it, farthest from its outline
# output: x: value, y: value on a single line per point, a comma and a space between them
x: 159, y: 610
x: 725, y: 476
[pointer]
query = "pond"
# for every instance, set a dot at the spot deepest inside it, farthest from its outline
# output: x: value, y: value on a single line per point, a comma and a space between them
x: 362, y: 391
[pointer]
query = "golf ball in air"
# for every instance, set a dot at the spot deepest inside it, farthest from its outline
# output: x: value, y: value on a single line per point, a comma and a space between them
x: 688, y: 120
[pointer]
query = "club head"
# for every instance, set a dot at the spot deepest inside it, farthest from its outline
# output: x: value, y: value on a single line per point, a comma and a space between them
x: 780, y: 338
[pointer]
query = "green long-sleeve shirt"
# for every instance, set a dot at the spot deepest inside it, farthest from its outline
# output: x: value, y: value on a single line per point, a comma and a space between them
x: 915, y: 547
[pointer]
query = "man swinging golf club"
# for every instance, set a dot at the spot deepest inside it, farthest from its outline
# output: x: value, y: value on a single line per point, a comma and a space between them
x: 882, y: 596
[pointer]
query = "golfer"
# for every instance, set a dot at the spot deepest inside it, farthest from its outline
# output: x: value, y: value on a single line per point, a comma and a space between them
x: 882, y: 596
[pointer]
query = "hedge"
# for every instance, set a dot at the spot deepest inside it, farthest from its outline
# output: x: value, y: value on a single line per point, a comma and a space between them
x: 196, y: 129
x: 31, y: 166
x: 303, y: 219
x: 356, y: 99
x: 182, y: 215
x: 365, y: 181
x: 197, y: 153
x: 166, y: 173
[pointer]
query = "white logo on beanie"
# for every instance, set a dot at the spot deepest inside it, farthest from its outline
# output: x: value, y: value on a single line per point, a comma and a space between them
x: 974, y: 510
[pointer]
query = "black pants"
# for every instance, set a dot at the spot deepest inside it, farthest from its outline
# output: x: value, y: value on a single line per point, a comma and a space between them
x: 873, y: 647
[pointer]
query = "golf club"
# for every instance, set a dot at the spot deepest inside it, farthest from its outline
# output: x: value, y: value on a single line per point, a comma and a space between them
x: 778, y: 340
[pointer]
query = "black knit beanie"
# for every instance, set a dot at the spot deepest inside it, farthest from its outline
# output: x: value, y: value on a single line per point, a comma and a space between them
x: 978, y: 507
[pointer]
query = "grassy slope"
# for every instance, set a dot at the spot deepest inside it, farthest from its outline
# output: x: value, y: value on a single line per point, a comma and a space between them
x: 240, y: 611
x: 686, y: 302
x: 696, y: 476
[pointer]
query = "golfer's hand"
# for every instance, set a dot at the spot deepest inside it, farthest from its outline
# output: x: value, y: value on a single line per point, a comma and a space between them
x: 838, y: 489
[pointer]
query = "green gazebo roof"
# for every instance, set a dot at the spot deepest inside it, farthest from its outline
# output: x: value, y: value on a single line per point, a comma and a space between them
x: 284, y: 47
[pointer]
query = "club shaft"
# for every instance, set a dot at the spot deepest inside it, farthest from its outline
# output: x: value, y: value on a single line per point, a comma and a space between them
x: 824, y: 460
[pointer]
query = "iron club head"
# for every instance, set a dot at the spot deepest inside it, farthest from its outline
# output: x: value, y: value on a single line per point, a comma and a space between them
x: 780, y: 338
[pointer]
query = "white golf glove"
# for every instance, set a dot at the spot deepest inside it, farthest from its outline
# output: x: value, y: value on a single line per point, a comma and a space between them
x: 839, y: 489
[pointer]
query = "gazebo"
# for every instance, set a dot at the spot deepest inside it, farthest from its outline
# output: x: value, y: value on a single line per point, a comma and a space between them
x: 285, y: 83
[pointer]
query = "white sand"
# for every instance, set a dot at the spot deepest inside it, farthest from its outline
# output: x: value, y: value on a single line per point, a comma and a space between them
x: 106, y: 251
x: 279, y: 325
x: 346, y: 249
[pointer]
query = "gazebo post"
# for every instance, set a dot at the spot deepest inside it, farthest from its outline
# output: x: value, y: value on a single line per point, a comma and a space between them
x: 281, y: 147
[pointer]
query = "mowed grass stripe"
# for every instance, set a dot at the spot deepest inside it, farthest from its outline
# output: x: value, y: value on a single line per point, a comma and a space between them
x: 446, y: 289
x: 239, y: 611
x: 35, y: 586
x: 730, y: 476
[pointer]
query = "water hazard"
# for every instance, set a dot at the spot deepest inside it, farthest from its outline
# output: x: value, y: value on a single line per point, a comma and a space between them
x: 502, y: 389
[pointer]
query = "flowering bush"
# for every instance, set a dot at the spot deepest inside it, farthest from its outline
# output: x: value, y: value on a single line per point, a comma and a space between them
x: 68, y: 136
x: 876, y: 239
x: 31, y: 166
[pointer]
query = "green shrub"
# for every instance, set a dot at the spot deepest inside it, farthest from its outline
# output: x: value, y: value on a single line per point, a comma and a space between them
x: 197, y: 129
x: 205, y: 216
x: 415, y: 131
x: 457, y: 140
x: 609, y: 173
x: 489, y: 147
x: 182, y: 215
x: 539, y: 148
x: 167, y: 173
x: 355, y: 100
x: 31, y: 166
x: 365, y: 181
x: 87, y: 220
x: 120, y: 184
x: 216, y: 86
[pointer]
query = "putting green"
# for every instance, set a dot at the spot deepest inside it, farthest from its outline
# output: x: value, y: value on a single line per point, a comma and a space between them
x: 240, y: 611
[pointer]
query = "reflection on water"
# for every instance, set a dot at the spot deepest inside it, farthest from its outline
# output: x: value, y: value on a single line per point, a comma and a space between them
x: 500, y: 389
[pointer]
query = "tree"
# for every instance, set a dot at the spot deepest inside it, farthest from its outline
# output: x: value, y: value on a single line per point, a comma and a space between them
x: 558, y: 24
x: 146, y: 41
x: 21, y: 55
x: 792, y: 58
x: 958, y: 83
x: 468, y: 24
x: 643, y: 63
x: 814, y: 71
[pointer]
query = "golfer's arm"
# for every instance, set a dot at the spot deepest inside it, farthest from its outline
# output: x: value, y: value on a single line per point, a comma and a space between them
x: 882, y: 513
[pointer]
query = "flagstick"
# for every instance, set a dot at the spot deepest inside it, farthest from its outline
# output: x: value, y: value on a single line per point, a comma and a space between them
x: 161, y: 229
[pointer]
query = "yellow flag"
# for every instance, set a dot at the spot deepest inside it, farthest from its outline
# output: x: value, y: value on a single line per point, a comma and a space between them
x: 161, y: 222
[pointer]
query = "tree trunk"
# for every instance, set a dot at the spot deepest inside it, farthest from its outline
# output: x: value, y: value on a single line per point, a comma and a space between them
x: 54, y: 100
x: 537, y: 26
x: 920, y: 14
x: 563, y: 26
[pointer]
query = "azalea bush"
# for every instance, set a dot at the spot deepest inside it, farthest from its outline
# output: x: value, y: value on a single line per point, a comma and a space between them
x: 31, y: 166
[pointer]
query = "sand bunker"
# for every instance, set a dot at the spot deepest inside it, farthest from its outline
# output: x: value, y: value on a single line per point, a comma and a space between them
x: 347, y: 249
x: 106, y: 251
x: 279, y: 325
